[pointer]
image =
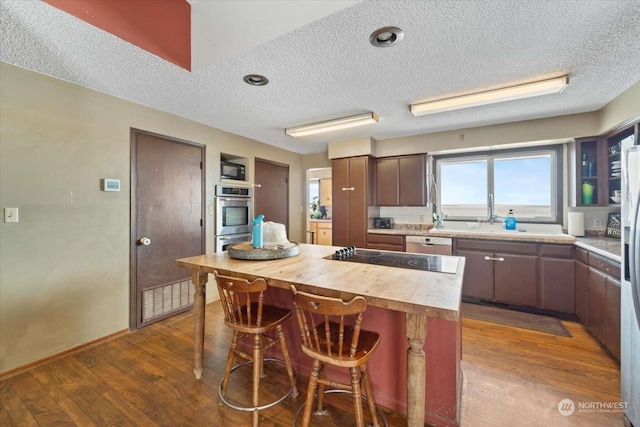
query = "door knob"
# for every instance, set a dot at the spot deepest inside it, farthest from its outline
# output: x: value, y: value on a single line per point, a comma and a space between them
x: 144, y: 241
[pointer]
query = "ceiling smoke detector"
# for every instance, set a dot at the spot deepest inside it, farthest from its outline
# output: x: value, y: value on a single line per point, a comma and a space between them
x: 387, y: 36
x: 255, y: 80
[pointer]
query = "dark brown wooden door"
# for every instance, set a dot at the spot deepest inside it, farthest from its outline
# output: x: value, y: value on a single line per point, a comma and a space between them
x: 612, y: 340
x: 517, y: 279
x: 582, y: 284
x: 479, y: 275
x: 167, y: 179
x: 558, y: 285
x: 413, y: 178
x: 597, y: 305
x: 387, y: 182
x: 340, y: 207
x: 351, y: 192
x: 271, y: 194
x: 401, y: 181
x: 358, y: 206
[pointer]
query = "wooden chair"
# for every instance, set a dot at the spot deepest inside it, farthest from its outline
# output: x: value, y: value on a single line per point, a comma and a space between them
x: 327, y: 338
x: 248, y: 317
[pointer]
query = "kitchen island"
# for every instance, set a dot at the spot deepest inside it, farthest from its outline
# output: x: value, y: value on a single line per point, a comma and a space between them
x: 422, y: 377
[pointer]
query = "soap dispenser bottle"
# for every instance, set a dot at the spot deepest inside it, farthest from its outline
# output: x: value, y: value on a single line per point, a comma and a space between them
x: 510, y: 221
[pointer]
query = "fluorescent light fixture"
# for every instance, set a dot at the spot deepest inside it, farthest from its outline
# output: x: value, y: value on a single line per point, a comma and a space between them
x: 543, y: 87
x: 331, y: 125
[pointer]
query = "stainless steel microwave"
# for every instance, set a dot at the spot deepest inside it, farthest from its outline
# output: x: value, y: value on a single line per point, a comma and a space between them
x: 230, y: 170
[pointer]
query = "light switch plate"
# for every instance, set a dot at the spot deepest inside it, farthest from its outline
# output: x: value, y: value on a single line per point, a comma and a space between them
x: 11, y: 215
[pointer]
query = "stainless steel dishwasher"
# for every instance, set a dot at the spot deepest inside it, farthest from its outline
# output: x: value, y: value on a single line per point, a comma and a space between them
x: 428, y: 245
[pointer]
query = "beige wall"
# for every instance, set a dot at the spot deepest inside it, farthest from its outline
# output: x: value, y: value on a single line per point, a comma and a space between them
x: 623, y: 108
x: 563, y: 127
x: 64, y: 268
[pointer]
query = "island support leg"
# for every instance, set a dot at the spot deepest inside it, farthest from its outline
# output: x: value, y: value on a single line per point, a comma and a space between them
x: 416, y: 331
x: 199, y: 280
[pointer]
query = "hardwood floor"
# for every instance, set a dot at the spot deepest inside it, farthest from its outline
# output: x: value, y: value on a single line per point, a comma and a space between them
x: 517, y: 377
x: 512, y: 377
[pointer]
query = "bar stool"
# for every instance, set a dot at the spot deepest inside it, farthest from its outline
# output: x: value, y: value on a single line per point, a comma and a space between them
x: 327, y: 339
x: 248, y: 317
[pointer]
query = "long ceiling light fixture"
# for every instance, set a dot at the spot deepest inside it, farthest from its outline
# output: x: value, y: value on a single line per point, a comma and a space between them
x: 542, y: 87
x: 331, y: 125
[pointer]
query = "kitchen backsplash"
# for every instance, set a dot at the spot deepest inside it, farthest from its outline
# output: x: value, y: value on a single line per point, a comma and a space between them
x: 595, y: 218
x: 404, y: 214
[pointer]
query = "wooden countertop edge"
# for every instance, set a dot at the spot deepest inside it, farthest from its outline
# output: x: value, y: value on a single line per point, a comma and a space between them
x: 443, y: 313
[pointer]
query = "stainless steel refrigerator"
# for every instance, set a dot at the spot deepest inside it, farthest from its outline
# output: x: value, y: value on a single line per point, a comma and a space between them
x: 630, y: 284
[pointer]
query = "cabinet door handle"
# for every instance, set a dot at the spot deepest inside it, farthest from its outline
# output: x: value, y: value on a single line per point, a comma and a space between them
x: 348, y: 188
x: 488, y: 258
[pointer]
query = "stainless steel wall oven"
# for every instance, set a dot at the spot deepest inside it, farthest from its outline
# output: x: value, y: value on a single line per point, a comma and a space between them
x: 234, y: 212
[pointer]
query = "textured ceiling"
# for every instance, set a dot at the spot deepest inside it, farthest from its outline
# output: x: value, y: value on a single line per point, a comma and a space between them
x: 328, y: 69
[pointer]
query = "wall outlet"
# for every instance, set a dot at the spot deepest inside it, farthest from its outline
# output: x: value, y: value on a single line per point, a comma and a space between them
x: 11, y: 215
x: 597, y: 222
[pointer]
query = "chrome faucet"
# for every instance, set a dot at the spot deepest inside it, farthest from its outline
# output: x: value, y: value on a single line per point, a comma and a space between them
x: 492, y: 215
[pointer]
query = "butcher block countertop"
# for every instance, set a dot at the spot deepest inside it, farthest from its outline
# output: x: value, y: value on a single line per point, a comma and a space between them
x: 412, y: 291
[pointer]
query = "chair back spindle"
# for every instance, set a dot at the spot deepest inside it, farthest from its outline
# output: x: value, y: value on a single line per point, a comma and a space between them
x: 242, y: 301
x: 329, y: 326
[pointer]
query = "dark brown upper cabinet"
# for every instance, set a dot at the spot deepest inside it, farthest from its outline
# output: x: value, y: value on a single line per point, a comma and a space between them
x: 401, y: 181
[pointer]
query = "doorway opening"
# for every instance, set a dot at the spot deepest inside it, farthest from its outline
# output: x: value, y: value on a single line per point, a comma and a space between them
x: 319, y: 206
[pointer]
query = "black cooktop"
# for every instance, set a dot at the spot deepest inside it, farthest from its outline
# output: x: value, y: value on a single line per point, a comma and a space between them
x: 436, y: 263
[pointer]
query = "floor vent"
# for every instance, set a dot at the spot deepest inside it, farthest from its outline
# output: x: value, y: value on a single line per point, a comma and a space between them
x: 165, y: 299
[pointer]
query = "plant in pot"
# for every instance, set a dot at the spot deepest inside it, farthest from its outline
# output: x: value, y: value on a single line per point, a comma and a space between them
x: 314, y: 208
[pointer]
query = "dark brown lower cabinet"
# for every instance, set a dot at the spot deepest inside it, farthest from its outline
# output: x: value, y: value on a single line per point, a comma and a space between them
x: 385, y: 242
x: 557, y: 285
x: 499, y: 271
x: 598, y: 298
x: 582, y: 282
x: 612, y: 338
x: 516, y: 279
x: 478, y: 277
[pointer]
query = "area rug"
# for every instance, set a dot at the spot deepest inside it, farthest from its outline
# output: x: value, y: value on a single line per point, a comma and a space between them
x: 517, y: 319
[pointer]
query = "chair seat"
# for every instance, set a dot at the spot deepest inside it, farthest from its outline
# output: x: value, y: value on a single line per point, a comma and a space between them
x: 366, y: 345
x: 271, y: 316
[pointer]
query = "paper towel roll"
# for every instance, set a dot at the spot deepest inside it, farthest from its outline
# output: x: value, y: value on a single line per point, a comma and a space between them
x: 576, y: 224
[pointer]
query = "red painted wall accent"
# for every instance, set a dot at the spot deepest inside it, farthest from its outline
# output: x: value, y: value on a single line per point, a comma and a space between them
x: 161, y: 27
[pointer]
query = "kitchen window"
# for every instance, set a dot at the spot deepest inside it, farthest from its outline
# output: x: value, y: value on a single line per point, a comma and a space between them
x: 529, y: 181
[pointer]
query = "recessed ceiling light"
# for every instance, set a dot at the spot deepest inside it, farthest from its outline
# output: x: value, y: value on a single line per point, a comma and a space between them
x: 255, y: 79
x: 387, y: 36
